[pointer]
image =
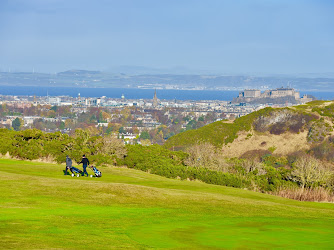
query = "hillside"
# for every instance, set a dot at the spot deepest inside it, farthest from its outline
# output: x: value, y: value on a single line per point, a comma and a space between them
x: 127, y: 208
x: 284, y: 130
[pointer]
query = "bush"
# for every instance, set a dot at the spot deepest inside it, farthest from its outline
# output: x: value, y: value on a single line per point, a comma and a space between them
x: 255, y: 154
x: 34, y: 144
x: 158, y: 160
x: 323, y: 151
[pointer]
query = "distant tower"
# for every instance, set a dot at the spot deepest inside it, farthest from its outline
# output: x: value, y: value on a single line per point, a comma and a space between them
x: 79, y: 96
x: 123, y: 97
x: 155, y: 99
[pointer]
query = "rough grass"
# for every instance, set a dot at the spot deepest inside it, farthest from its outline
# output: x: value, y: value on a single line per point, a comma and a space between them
x: 283, y: 122
x: 126, y: 208
x: 306, y: 194
x: 286, y: 143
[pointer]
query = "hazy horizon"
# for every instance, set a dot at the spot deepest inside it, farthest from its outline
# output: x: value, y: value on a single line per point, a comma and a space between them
x: 134, y: 70
x: 215, y: 36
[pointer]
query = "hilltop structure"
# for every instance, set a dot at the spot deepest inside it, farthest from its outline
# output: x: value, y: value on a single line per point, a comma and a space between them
x: 279, y: 95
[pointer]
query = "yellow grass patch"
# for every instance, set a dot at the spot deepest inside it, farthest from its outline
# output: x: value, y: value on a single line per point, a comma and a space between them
x: 48, y: 159
x: 5, y: 156
x: 284, y: 144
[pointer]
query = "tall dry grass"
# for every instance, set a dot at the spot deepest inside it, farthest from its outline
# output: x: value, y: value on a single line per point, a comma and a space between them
x: 318, y: 194
x: 47, y: 159
x: 5, y: 156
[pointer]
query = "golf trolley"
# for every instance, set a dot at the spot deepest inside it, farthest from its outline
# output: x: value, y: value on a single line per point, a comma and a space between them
x: 97, y: 173
x: 75, y: 171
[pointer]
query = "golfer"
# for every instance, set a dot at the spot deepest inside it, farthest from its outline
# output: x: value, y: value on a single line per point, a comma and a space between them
x: 85, y: 163
x: 68, y: 164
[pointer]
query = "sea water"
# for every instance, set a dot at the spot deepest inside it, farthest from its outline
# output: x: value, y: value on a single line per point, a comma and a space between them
x: 132, y: 93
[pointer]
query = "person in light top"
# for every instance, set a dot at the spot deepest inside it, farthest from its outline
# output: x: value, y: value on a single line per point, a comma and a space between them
x: 68, y: 164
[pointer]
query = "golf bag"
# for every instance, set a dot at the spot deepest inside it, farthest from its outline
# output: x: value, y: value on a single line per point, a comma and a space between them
x: 97, y: 173
x: 75, y: 171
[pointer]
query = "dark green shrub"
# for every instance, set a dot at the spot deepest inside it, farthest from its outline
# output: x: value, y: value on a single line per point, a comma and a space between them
x: 158, y: 160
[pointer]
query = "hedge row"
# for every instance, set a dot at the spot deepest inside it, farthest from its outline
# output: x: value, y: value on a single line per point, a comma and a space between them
x: 158, y: 160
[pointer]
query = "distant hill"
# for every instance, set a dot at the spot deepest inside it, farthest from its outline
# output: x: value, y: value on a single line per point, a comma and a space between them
x: 79, y: 72
x: 283, y: 130
x: 138, y: 78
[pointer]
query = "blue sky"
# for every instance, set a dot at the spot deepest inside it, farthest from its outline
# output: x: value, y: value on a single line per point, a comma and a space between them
x: 218, y: 36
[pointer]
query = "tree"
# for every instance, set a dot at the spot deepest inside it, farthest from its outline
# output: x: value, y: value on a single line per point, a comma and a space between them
x: 69, y: 123
x: 125, y: 112
x: 38, y: 123
x: 113, y: 147
x: 201, y: 118
x: 145, y: 142
x: 4, y: 107
x: 210, y: 117
x: 308, y: 171
x: 199, y: 124
x: 100, y: 117
x: 135, y: 130
x: 62, y: 125
x: 186, y: 118
x: 105, y: 115
x: 206, y: 155
x: 191, y: 125
x: 54, y: 108
x: 16, y: 124
x: 176, y: 120
x: 158, y: 138
x: 121, y: 130
x: 51, y: 114
x: 81, y: 136
x: 65, y: 111
x: 145, y: 135
x: 108, y: 130
x: 93, y: 119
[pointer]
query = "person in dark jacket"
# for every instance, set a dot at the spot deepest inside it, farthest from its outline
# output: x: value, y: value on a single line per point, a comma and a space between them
x: 68, y: 164
x: 85, y: 163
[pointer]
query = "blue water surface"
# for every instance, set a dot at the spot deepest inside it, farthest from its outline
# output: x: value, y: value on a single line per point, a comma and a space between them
x: 167, y: 94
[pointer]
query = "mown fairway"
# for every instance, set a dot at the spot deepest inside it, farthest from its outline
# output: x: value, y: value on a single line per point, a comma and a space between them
x: 42, y: 208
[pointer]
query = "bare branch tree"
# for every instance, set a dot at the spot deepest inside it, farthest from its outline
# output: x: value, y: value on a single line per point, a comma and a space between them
x: 113, y: 146
x: 206, y: 155
x: 308, y: 170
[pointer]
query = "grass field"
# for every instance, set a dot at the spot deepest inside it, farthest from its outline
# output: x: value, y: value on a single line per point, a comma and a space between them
x: 126, y: 208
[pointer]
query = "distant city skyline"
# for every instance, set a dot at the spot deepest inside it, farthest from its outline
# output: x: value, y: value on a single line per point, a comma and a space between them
x: 184, y: 36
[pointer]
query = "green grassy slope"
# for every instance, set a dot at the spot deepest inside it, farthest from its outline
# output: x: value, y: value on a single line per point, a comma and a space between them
x: 217, y: 133
x: 220, y: 133
x: 126, y: 208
